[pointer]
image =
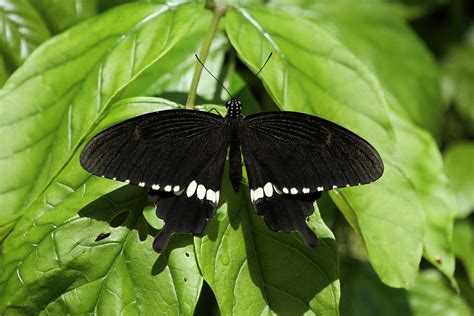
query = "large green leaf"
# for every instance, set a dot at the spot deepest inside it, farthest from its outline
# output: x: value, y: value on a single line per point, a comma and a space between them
x: 409, y: 9
x: 174, y: 73
x: 467, y: 290
x: 62, y: 14
x: 369, y: 296
x: 430, y: 295
x: 410, y: 79
x: 3, y: 71
x: 459, y: 166
x: 406, y: 70
x: 254, y: 271
x: 422, y: 163
x: 21, y: 29
x: 463, y: 246
x: 50, y: 104
x: 60, y: 261
x: 413, y: 9
x: 458, y: 80
x: 313, y: 73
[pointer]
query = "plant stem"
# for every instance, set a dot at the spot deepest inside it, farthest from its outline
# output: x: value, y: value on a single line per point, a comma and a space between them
x: 219, y: 11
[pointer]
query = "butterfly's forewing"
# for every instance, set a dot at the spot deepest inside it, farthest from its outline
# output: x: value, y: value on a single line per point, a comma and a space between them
x: 161, y: 150
x: 291, y: 157
x: 178, y: 154
x: 300, y: 151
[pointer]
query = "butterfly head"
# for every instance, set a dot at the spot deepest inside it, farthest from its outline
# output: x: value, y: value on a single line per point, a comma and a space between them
x: 233, y: 108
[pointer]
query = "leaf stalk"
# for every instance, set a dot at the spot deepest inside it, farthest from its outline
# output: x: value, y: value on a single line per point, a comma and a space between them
x: 219, y: 11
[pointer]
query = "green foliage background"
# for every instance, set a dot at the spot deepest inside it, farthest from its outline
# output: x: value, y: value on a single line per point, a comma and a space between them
x: 398, y: 73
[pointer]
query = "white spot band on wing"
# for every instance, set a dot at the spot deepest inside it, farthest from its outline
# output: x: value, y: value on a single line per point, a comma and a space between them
x: 211, y: 195
x: 258, y: 193
x: 191, y: 189
x: 268, y: 189
x: 201, y: 192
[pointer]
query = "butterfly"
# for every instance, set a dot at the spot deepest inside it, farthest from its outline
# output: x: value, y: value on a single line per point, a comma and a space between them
x: 179, y: 156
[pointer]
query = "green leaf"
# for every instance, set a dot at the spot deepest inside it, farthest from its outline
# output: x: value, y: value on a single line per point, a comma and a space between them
x: 22, y: 30
x: 368, y: 295
x: 104, y: 5
x: 432, y: 296
x: 312, y: 72
x: 389, y: 48
x: 414, y: 9
x: 463, y: 246
x: 431, y: 185
x: 60, y: 262
x: 467, y: 290
x: 460, y: 170
x: 49, y: 105
x: 413, y: 90
x: 173, y: 74
x: 458, y: 78
x: 149, y: 213
x: 62, y: 14
x: 378, y: 25
x: 3, y: 71
x: 255, y: 271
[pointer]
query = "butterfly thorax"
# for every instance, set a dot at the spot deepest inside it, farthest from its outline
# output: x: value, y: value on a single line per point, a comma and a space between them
x: 233, y: 108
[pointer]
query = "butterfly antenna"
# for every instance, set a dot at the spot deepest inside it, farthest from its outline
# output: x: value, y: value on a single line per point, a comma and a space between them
x: 258, y: 72
x: 222, y: 85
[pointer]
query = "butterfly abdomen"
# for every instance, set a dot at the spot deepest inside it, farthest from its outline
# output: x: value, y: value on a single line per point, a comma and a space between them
x: 235, y: 160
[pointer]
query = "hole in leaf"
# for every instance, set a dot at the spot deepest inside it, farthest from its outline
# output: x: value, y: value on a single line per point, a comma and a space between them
x: 102, y: 236
x: 185, y: 280
x: 187, y: 254
x: 119, y: 219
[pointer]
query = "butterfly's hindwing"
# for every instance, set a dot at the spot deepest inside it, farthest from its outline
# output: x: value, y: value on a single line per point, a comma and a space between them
x: 183, y: 213
x: 289, y: 213
x: 280, y: 211
x: 178, y: 154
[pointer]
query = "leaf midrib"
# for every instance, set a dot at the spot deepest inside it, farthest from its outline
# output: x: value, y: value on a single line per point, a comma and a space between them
x: 252, y: 231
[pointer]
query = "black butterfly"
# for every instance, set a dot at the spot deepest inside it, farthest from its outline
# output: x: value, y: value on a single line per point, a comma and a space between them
x: 179, y: 155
